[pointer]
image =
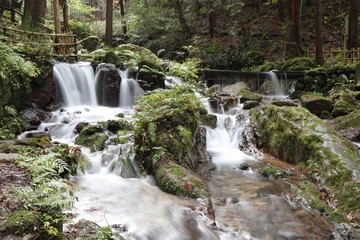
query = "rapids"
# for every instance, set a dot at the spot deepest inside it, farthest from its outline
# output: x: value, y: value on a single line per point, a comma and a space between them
x: 245, y: 204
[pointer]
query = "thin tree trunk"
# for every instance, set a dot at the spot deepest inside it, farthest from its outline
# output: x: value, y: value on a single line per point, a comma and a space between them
x: 212, y: 23
x: 27, y: 16
x: 319, y: 58
x: 122, y: 12
x: 12, y: 7
x: 57, y: 17
x: 353, y: 37
x: 66, y: 16
x: 109, y: 23
x: 294, y: 45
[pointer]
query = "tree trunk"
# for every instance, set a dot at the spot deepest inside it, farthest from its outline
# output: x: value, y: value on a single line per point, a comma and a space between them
x: 180, y: 13
x: 281, y: 11
x: 109, y: 23
x: 294, y: 45
x: 27, y: 16
x: 212, y: 23
x: 353, y: 34
x: 38, y: 16
x: 57, y: 17
x: 66, y: 16
x: 319, y: 58
x: 122, y: 12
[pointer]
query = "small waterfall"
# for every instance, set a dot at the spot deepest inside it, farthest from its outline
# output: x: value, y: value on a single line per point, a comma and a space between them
x: 130, y: 89
x: 275, y: 82
x: 76, y: 82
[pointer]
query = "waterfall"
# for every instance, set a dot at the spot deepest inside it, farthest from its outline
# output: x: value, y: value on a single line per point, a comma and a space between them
x: 76, y: 83
x: 130, y: 89
x: 278, y: 91
x: 79, y: 85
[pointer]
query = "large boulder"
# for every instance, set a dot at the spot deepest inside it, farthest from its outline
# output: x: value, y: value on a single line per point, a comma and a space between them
x: 341, y: 108
x: 316, y: 104
x: 167, y: 126
x: 108, y: 85
x: 246, y: 95
x: 295, y: 135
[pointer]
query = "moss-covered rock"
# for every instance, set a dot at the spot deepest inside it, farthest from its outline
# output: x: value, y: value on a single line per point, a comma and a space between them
x: 90, y: 43
x: 151, y: 78
x: 120, y: 124
x: 222, y: 102
x: 351, y: 120
x: 178, y: 180
x: 168, y: 122
x: 250, y: 104
x: 316, y: 103
x: 341, y: 108
x: 297, y: 136
x: 246, y: 95
x: 209, y: 120
x: 87, y: 230
x: 92, y: 136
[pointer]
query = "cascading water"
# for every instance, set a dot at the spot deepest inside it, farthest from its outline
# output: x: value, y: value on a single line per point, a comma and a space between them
x: 74, y: 80
x: 247, y: 205
x: 278, y: 90
x: 129, y: 89
x: 112, y: 192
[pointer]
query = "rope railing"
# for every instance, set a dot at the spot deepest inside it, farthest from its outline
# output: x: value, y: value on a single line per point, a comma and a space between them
x: 63, y: 44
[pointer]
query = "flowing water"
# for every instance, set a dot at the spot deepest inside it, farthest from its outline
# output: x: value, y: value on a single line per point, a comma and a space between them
x: 245, y: 205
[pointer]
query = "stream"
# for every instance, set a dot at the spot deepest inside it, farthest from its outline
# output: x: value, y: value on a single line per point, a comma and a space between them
x: 246, y: 205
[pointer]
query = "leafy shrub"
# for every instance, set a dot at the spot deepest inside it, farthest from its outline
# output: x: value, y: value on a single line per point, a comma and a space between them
x: 254, y: 58
x: 81, y: 29
x: 188, y: 70
x: 298, y: 64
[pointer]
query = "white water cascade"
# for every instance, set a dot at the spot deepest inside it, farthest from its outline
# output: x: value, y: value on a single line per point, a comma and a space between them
x: 278, y: 90
x: 134, y: 207
x: 247, y: 205
x: 74, y: 80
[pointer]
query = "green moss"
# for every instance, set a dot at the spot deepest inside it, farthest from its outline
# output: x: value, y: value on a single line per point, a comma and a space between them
x: 342, y: 108
x: 90, y: 43
x: 347, y: 121
x: 298, y: 64
x: 116, y: 125
x: 295, y: 135
x: 246, y: 95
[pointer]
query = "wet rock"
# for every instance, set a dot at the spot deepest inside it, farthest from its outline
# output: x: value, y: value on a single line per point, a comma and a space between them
x: 90, y: 43
x: 109, y: 85
x: 233, y: 89
x: 341, y: 108
x: 200, y: 144
x: 352, y: 134
x: 116, y: 125
x: 244, y: 166
x: 250, y: 104
x: 282, y: 103
x: 246, y: 95
x: 91, y: 129
x: 297, y: 136
x: 93, y: 137
x: 209, y: 120
x: 38, y: 135
x: 33, y: 116
x: 80, y: 126
x: 228, y: 123
x: 120, y: 115
x: 215, y: 89
x: 221, y: 103
x: 316, y: 104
